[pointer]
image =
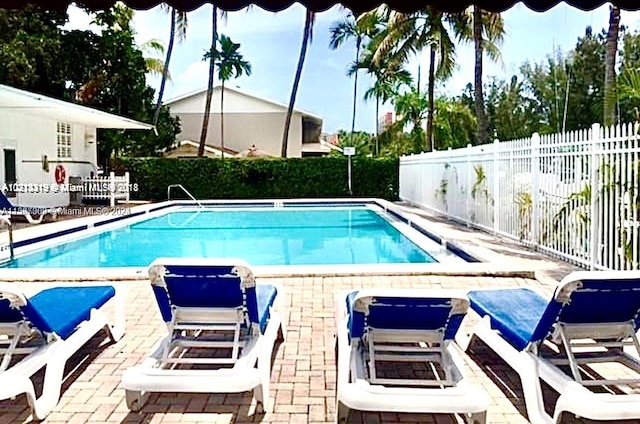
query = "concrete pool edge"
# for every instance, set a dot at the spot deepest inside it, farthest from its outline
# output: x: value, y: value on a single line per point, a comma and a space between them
x: 273, y: 271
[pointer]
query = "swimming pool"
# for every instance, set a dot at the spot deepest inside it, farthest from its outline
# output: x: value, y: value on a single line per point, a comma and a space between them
x: 295, y: 235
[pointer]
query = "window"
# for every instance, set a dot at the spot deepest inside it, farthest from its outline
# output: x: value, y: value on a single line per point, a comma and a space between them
x: 64, y: 140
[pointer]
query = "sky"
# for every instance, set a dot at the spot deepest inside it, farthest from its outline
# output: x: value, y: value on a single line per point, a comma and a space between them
x: 271, y: 43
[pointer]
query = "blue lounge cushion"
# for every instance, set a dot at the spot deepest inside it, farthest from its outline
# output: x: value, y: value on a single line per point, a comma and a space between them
x: 404, y: 313
x: 60, y: 310
x: 212, y: 287
x: 604, y: 301
x: 520, y: 314
x: 8, y: 314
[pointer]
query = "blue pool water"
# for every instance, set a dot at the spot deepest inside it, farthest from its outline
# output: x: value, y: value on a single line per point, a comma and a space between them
x: 291, y: 236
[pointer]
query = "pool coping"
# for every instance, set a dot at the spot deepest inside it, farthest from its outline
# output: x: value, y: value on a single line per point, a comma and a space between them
x: 27, y: 237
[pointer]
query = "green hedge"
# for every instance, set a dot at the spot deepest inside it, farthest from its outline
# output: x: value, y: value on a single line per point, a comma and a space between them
x: 208, y: 178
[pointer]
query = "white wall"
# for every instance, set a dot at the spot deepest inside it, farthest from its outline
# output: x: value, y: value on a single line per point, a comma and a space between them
x: 33, y: 138
x: 241, y: 130
x: 234, y: 102
x: 247, y: 121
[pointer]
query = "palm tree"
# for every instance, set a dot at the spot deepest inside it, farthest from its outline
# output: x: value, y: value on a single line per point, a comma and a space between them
x: 411, y: 106
x: 230, y: 64
x: 389, y: 77
x: 610, y: 94
x: 179, y: 28
x: 212, y: 68
x: 488, y: 32
x: 340, y: 33
x: 406, y: 34
x: 153, y: 65
x: 307, y: 36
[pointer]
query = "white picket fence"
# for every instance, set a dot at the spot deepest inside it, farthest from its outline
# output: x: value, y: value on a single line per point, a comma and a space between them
x: 574, y: 195
x: 110, y: 187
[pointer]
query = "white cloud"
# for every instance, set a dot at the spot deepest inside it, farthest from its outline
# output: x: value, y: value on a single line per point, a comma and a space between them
x: 79, y: 20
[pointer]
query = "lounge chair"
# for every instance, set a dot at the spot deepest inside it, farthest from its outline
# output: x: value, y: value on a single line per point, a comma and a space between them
x: 33, y: 215
x: 45, y: 330
x: 211, y: 307
x: 377, y: 327
x: 589, y: 320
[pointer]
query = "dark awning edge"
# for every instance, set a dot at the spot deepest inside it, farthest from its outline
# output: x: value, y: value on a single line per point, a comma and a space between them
x: 357, y: 6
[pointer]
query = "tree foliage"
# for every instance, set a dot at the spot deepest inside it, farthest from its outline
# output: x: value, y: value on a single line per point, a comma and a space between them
x: 103, y: 69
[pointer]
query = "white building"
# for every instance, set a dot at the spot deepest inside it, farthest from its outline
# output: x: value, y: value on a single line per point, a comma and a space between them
x: 249, y: 121
x: 44, y: 141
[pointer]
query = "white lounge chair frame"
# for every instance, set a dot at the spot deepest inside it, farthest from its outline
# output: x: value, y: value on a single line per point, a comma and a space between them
x: 359, y: 387
x: 250, y: 357
x: 532, y: 365
x: 52, y: 352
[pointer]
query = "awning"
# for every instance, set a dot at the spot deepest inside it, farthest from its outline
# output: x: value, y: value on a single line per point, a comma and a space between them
x: 20, y: 101
x: 357, y: 6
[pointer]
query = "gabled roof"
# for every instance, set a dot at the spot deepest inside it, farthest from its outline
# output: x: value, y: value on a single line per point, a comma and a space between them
x: 242, y: 93
x: 21, y: 101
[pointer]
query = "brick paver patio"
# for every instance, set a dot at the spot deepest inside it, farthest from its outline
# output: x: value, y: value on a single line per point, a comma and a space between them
x: 303, y: 377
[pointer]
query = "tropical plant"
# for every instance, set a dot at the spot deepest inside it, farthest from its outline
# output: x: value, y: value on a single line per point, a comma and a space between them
x: 488, y: 33
x: 362, y: 141
x: 524, y: 201
x: 230, y: 64
x: 389, y: 77
x: 408, y: 33
x: 454, y: 124
x: 212, y: 68
x: 411, y: 107
x: 154, y: 65
x: 610, y: 95
x: 341, y: 32
x: 307, y: 36
x: 178, y: 27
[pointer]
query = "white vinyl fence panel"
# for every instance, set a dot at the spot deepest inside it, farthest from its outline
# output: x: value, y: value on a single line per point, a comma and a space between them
x: 574, y: 195
x: 112, y: 187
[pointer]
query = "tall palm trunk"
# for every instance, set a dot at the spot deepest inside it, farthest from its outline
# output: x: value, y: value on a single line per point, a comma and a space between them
x: 165, y: 70
x: 222, y: 120
x: 207, y: 106
x: 610, y: 94
x: 355, y: 85
x: 432, y: 81
x: 483, y: 122
x: 377, y: 126
x: 296, y: 81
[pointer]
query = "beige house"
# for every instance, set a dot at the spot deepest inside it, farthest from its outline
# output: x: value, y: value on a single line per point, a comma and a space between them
x: 248, y: 121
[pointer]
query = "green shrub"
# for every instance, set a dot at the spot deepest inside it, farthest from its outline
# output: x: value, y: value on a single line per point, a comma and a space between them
x: 208, y: 178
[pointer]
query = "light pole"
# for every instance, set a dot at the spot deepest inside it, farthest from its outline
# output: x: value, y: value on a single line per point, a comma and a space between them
x: 348, y: 151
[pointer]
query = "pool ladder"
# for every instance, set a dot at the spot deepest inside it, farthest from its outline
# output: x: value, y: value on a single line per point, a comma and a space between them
x: 4, y: 219
x: 181, y: 187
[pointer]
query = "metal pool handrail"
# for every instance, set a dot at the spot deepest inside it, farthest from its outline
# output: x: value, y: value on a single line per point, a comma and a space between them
x: 180, y: 186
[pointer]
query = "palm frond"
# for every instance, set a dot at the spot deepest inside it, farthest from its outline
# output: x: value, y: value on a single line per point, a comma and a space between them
x: 155, y: 67
x: 182, y: 22
x: 153, y: 45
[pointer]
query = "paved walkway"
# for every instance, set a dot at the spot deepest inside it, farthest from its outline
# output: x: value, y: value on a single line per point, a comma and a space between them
x: 303, y: 377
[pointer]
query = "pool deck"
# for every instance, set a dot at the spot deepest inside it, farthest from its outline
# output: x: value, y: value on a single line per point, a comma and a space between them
x: 303, y: 376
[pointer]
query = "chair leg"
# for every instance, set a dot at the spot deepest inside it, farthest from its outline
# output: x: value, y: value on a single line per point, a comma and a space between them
x: 282, y: 331
x: 52, y: 385
x: 342, y: 413
x: 261, y: 396
x: 136, y: 399
x: 116, y: 331
x: 476, y: 418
